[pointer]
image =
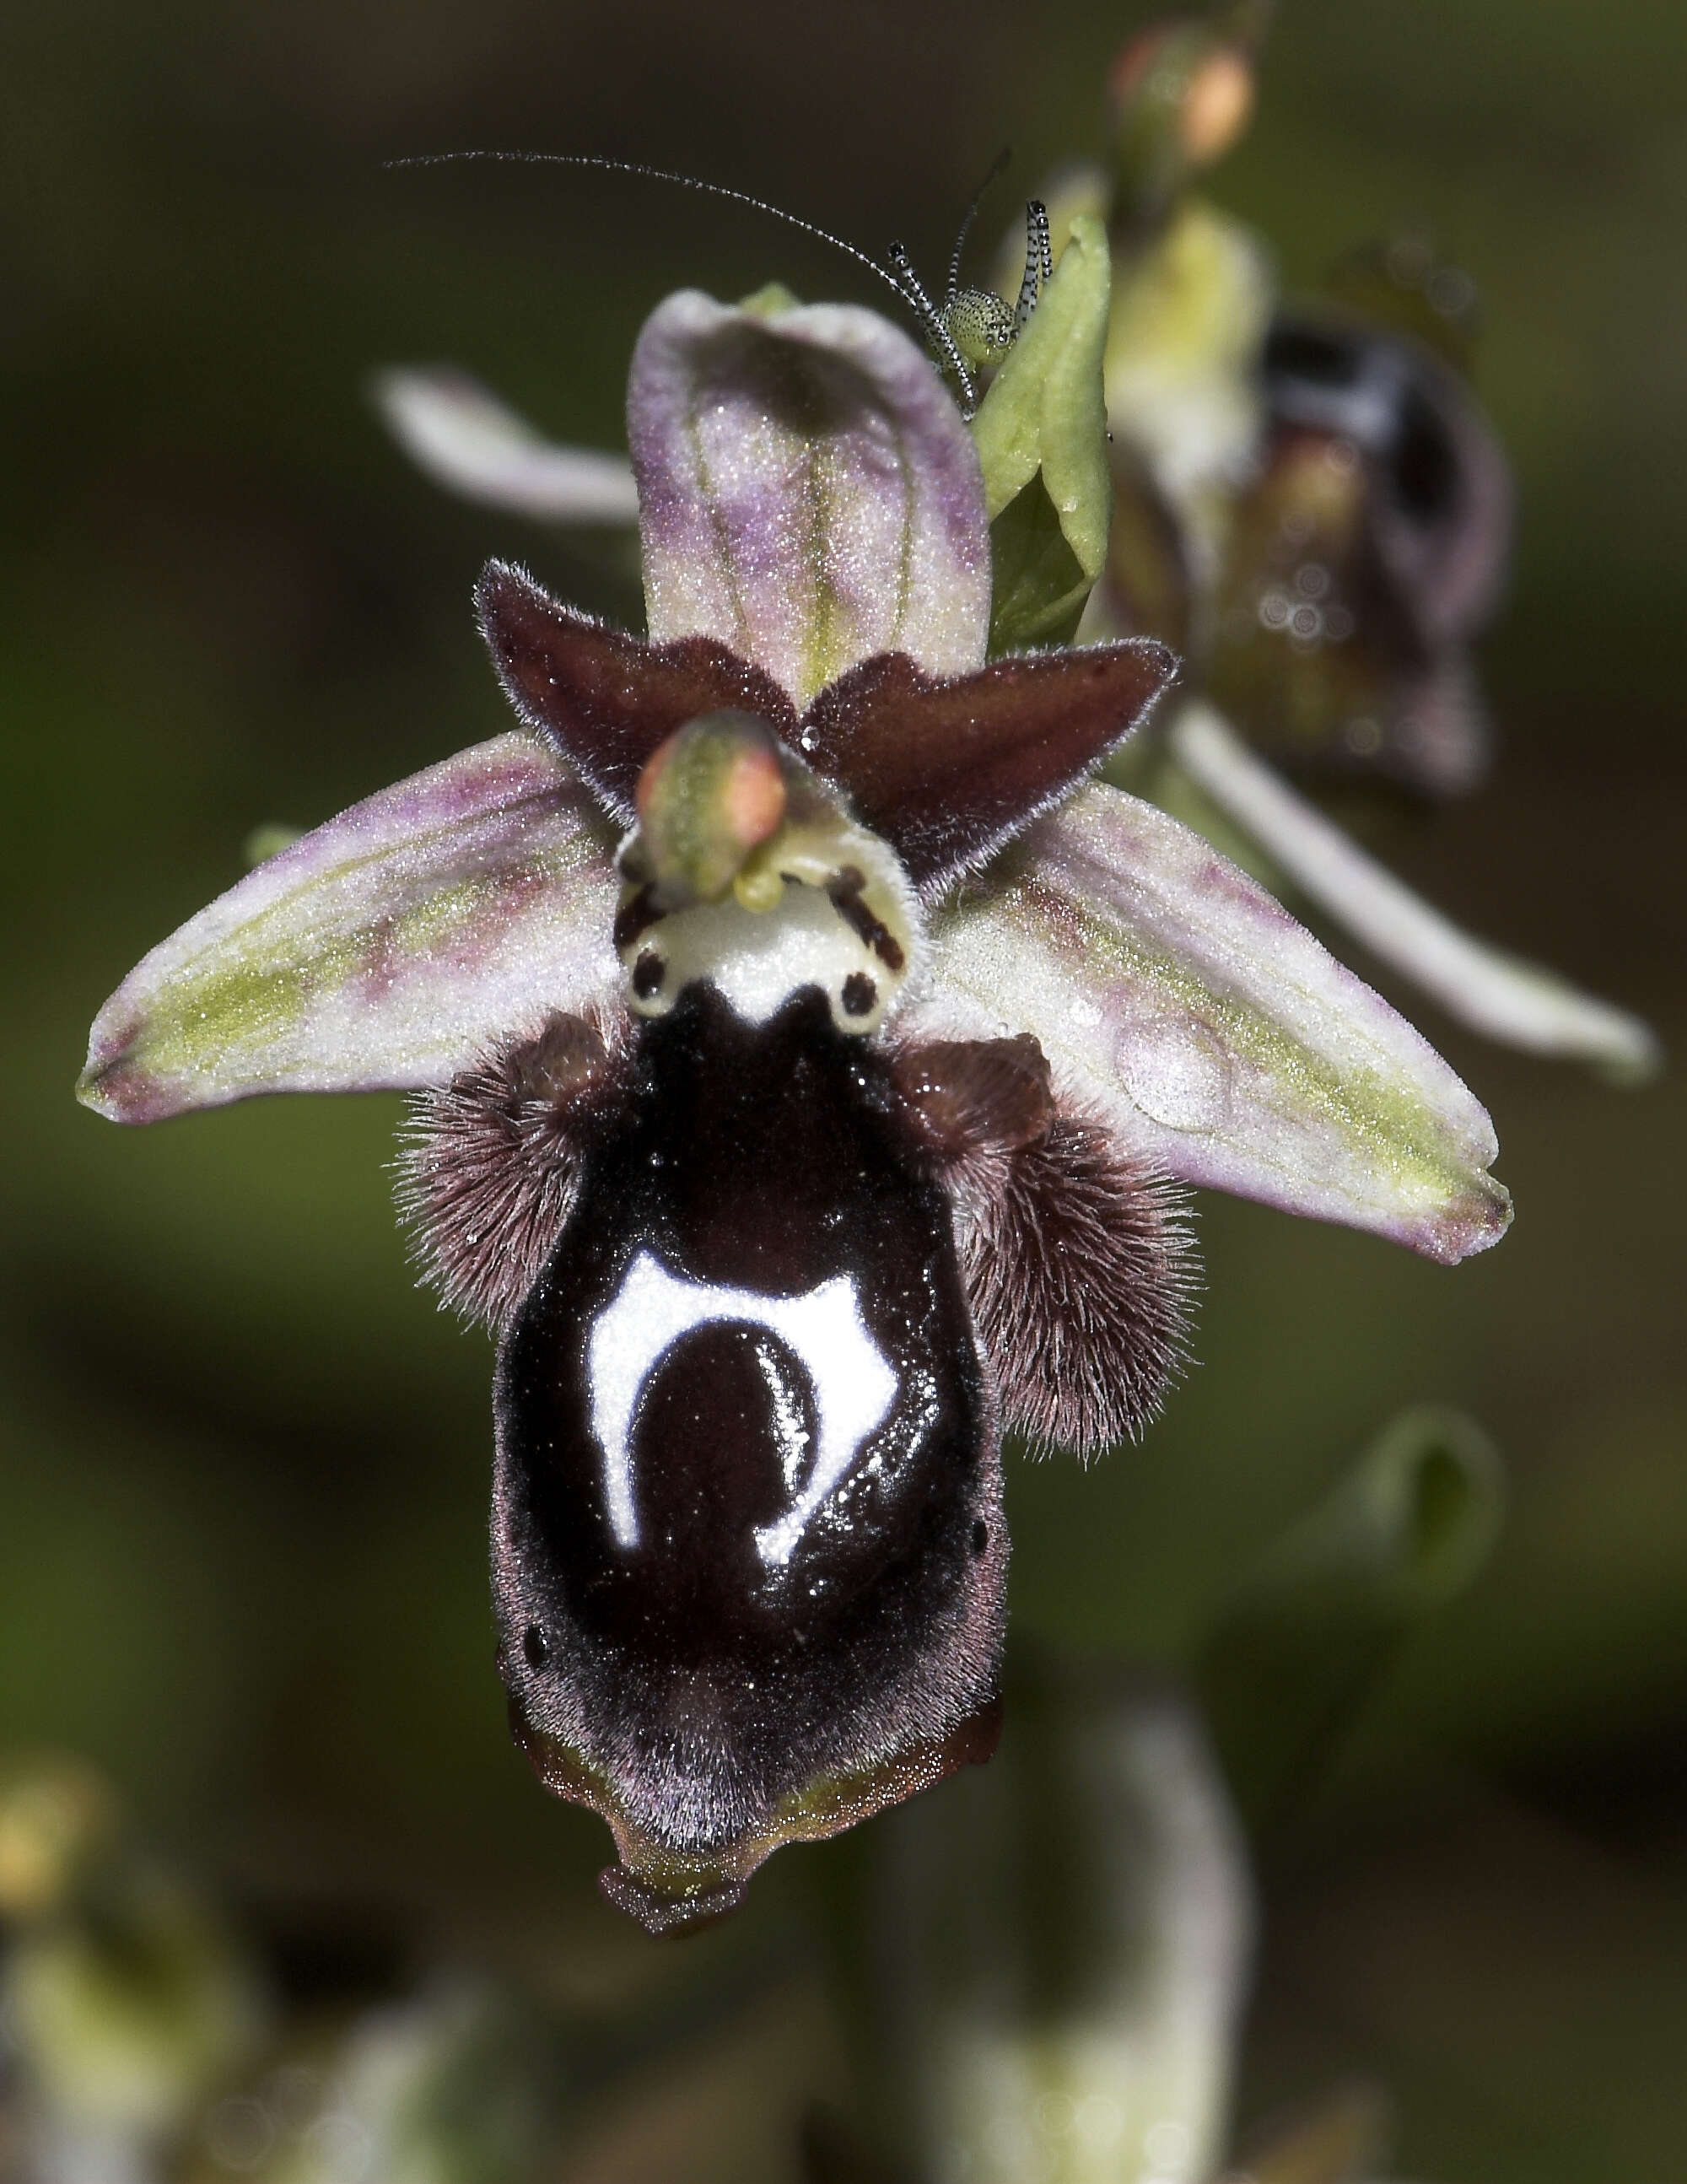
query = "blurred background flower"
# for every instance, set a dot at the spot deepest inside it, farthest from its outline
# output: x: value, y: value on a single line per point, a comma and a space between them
x: 1039, y: 1968
x: 240, y: 1542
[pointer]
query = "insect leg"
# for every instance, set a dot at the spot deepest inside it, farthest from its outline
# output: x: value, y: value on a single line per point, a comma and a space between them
x: 1039, y: 262
x: 934, y: 326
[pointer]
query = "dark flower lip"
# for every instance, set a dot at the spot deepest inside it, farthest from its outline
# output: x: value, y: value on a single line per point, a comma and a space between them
x: 671, y: 1891
x: 1444, y: 498
x: 948, y: 769
x: 715, y: 1636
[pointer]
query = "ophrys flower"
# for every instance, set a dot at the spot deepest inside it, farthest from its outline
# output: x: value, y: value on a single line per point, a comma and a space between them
x: 823, y: 1129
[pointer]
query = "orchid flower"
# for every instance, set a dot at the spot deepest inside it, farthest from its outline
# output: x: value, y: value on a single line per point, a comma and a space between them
x: 829, y: 1125
x: 1314, y: 509
x: 1310, y: 508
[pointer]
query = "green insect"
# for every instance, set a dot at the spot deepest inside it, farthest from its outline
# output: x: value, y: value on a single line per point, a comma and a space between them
x: 972, y: 329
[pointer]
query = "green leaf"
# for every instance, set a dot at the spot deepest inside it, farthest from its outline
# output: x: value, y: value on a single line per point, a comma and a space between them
x: 1043, y: 424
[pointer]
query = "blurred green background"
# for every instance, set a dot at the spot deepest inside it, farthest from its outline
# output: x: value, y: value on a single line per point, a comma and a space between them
x: 241, y: 1520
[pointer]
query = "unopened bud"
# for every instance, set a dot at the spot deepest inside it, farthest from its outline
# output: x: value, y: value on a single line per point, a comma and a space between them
x: 55, y: 1815
x: 1216, y: 105
x: 1180, y: 94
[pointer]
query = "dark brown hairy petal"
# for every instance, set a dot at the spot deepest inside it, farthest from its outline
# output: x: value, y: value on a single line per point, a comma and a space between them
x: 1078, y: 1261
x: 963, y: 1096
x: 1076, y: 1257
x: 491, y: 1166
x: 948, y: 770
x: 603, y: 699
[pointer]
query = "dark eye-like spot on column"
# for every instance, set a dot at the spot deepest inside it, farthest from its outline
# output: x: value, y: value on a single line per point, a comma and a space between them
x: 845, y: 893
x: 859, y: 994
x: 535, y: 1647
x: 636, y: 916
x: 648, y: 974
x: 981, y: 1536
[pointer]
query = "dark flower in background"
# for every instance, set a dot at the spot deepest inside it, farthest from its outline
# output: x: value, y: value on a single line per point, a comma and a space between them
x: 1312, y: 507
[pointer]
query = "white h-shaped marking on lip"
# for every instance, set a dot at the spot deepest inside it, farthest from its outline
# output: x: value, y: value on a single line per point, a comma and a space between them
x: 854, y: 1385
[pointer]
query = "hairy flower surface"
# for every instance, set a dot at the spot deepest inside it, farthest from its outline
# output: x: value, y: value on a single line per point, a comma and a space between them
x: 824, y: 1128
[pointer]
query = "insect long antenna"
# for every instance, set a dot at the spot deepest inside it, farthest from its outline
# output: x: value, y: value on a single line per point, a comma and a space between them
x: 1039, y: 262
x: 932, y: 325
x: 899, y: 276
x: 658, y: 175
x: 967, y: 218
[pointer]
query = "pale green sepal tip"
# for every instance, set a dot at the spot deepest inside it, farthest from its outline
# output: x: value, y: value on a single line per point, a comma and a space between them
x: 770, y: 300
x: 1041, y: 432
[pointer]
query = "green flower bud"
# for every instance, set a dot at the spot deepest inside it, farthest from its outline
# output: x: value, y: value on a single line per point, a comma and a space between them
x: 1181, y: 93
